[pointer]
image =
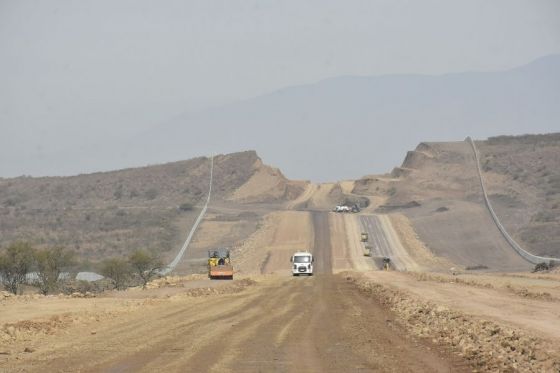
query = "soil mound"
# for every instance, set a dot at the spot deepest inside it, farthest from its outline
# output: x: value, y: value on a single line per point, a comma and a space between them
x: 267, y: 185
x: 415, y: 159
x: 445, y: 174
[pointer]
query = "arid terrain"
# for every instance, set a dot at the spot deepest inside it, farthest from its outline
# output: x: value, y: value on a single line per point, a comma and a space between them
x: 458, y: 297
x: 112, y: 213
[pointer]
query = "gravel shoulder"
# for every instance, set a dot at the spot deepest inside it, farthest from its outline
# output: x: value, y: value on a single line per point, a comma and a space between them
x: 538, y: 316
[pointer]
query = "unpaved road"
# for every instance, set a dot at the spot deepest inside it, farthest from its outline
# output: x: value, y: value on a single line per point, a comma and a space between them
x: 322, y: 323
x: 310, y: 324
x: 384, y: 242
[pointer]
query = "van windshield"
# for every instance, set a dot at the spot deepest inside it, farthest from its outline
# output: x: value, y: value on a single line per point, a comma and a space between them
x: 302, y: 259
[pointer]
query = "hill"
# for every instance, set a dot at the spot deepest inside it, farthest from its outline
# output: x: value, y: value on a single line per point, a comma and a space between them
x: 112, y: 213
x: 437, y: 188
x: 523, y: 178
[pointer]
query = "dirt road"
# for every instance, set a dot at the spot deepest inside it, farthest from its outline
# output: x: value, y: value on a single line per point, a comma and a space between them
x: 305, y: 324
x: 385, y: 243
x: 312, y: 324
x: 322, y: 250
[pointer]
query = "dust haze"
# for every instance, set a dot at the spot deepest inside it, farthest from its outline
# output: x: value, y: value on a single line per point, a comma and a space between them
x: 310, y: 186
x: 85, y: 87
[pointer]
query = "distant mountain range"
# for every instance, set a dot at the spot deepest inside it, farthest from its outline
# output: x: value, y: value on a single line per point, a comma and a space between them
x: 347, y: 126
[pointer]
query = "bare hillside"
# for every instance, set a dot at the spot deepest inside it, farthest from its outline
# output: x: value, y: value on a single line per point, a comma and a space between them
x: 437, y: 188
x: 522, y: 174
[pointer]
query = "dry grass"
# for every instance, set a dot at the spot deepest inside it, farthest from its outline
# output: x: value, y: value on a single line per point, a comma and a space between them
x: 523, y: 173
x: 111, y: 213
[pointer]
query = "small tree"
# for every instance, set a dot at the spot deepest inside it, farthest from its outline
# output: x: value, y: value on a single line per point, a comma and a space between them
x: 50, y: 264
x: 15, y: 263
x: 117, y: 270
x: 145, y: 264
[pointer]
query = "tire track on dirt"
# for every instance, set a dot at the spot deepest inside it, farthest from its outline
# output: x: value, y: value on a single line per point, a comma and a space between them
x: 252, y: 346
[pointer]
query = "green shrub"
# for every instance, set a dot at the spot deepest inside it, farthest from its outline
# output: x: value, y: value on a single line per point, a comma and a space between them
x: 187, y: 206
x: 50, y: 265
x: 15, y: 264
x: 117, y: 270
x: 145, y: 265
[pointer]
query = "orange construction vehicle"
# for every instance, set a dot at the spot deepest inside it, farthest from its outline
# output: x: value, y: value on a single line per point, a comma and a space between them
x: 219, y: 264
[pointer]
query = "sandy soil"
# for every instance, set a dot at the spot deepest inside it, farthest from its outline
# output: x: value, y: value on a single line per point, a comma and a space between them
x: 489, y: 344
x: 526, y: 285
x: 316, y: 197
x: 321, y: 199
x: 542, y: 317
x: 323, y: 320
x: 476, y: 242
x: 302, y: 200
x: 270, y: 248
x: 425, y: 259
x: 347, y: 186
x: 267, y: 184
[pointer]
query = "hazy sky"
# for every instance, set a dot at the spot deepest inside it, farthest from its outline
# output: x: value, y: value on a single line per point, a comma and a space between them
x: 75, y: 72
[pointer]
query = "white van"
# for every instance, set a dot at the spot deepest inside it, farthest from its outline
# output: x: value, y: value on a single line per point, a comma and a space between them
x: 302, y: 263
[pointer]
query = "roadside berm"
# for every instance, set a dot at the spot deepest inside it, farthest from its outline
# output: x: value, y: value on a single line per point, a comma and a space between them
x: 487, y: 345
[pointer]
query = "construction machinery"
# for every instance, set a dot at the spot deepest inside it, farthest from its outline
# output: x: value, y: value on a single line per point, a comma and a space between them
x: 219, y: 264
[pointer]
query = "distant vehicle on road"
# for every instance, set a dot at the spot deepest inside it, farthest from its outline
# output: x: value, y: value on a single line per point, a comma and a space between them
x: 345, y: 208
x: 302, y: 263
x: 342, y: 208
x: 386, y: 263
x: 364, y: 237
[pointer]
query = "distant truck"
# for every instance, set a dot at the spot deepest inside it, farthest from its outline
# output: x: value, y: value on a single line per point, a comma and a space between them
x: 302, y: 263
x: 342, y: 208
x: 219, y: 264
x: 345, y: 208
